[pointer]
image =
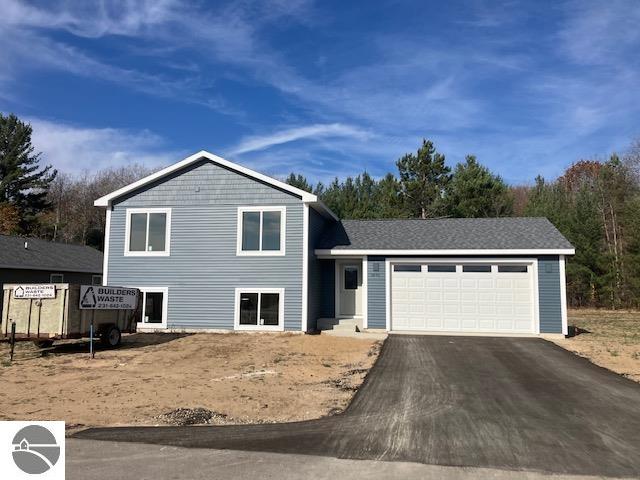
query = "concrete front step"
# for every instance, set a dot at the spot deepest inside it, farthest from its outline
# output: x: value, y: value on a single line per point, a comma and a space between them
x: 367, y: 335
x: 340, y: 324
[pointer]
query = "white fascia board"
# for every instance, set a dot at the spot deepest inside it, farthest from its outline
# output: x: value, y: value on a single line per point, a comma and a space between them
x: 347, y: 252
x: 323, y: 210
x: 106, y: 200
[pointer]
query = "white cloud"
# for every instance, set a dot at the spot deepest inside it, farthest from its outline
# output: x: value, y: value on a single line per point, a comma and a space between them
x: 73, y: 149
x: 601, y: 33
x: 91, y: 19
x: 262, y: 142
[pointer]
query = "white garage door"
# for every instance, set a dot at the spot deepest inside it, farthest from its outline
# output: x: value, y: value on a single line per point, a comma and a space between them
x: 461, y: 297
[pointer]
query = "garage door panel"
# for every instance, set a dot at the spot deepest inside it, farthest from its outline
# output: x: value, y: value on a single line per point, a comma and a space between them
x: 432, y: 296
x: 451, y: 283
x: 462, y: 301
x: 451, y: 309
x: 452, y: 296
x: 504, y: 297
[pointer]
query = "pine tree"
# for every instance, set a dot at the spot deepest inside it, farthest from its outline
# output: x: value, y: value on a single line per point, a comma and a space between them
x: 423, y: 177
x: 23, y: 181
x: 475, y: 192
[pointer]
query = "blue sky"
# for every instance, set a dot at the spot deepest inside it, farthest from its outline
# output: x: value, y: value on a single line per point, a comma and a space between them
x: 324, y: 88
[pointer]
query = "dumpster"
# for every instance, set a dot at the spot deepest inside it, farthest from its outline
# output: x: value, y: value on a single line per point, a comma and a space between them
x: 44, y: 313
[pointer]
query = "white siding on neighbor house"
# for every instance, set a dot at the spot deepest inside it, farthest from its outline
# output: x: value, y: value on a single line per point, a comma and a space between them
x: 203, y: 269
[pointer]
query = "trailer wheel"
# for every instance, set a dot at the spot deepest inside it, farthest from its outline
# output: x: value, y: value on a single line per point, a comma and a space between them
x: 111, y: 336
x: 43, y: 343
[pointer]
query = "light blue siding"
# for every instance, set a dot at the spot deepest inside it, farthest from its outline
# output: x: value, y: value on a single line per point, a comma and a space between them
x: 203, y: 269
x: 376, y: 293
x: 315, y: 297
x: 549, y: 294
x: 327, y: 291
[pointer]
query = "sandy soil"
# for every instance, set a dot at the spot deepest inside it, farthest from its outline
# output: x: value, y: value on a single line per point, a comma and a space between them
x: 245, y: 377
x: 610, y: 339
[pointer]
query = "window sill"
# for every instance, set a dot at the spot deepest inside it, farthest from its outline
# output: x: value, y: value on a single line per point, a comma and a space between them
x: 258, y: 253
x: 260, y: 328
x: 150, y: 326
x: 146, y: 254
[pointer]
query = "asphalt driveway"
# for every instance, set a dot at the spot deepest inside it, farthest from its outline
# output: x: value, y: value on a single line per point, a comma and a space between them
x: 507, y: 403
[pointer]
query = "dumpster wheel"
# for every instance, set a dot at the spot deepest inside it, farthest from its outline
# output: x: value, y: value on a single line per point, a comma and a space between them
x: 111, y: 336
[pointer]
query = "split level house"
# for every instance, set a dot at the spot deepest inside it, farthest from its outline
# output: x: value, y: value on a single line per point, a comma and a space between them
x: 213, y: 245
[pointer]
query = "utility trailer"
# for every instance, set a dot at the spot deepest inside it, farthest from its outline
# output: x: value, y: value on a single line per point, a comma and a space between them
x: 44, y: 313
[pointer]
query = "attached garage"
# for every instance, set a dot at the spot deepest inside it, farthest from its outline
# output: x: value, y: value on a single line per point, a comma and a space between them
x: 494, y: 276
x: 464, y: 296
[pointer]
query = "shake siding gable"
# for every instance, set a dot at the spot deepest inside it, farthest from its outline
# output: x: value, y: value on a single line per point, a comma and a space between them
x: 203, y: 269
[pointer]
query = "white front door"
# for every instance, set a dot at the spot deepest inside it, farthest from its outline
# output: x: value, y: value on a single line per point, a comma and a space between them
x: 350, y: 288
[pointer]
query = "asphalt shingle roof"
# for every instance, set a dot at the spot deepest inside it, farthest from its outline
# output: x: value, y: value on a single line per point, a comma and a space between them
x: 507, y: 233
x: 44, y: 255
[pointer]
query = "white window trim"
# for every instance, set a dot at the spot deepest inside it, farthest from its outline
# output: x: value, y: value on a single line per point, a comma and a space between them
x: 261, y: 328
x: 260, y: 252
x: 158, y: 253
x: 165, y: 304
x: 533, y: 262
x: 56, y: 274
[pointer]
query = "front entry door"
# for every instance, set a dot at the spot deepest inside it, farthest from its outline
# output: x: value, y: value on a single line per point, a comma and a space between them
x: 350, y: 302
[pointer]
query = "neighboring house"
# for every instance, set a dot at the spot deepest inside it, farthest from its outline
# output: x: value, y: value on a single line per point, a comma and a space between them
x: 33, y: 260
x: 213, y: 245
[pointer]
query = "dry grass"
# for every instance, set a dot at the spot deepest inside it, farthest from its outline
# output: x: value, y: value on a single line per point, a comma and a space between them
x: 610, y: 339
x: 242, y: 377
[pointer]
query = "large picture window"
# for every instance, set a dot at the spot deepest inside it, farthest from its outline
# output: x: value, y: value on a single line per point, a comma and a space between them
x: 259, y: 309
x: 261, y: 230
x: 148, y: 232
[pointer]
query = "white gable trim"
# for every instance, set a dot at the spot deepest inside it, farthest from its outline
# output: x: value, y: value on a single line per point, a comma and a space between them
x: 107, y: 199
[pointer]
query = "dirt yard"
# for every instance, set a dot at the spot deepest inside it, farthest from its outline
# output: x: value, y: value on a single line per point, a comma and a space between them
x: 610, y: 339
x: 217, y: 378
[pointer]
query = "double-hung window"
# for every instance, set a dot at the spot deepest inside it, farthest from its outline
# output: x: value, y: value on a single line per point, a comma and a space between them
x: 148, y: 232
x: 261, y: 230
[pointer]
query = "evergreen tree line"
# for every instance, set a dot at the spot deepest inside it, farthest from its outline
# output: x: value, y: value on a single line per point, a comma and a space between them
x: 595, y: 204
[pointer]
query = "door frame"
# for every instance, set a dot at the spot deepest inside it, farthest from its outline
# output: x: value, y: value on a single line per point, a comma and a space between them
x: 338, y: 280
x: 390, y: 261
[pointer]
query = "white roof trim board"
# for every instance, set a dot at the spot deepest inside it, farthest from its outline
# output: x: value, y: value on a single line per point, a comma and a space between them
x: 347, y: 252
x: 107, y: 199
